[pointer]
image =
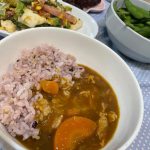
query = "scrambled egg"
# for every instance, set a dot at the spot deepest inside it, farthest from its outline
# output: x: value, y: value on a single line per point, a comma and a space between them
x: 8, y: 26
x: 31, y: 19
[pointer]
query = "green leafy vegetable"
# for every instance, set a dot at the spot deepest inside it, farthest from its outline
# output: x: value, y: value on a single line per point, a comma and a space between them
x: 3, y: 7
x: 56, y: 22
x: 19, y: 6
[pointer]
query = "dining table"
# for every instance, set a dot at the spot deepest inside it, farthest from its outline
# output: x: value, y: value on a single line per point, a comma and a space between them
x: 140, y: 70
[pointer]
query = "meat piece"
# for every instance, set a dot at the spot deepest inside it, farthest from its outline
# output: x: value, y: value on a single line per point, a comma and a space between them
x: 9, y: 13
x: 91, y: 79
x: 44, y: 13
x: 111, y: 116
x: 63, y: 21
x: 54, y: 11
x: 74, y: 111
x: 58, y: 13
x: 103, y: 107
x: 57, y: 122
x: 70, y: 18
x: 102, y: 128
x: 66, y: 84
x: 85, y: 94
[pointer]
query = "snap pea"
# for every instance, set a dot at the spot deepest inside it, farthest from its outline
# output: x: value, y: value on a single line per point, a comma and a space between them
x: 125, y: 9
x: 145, y: 31
x: 121, y: 15
x: 148, y: 23
x: 115, y: 7
x: 140, y: 25
x: 134, y: 20
x: 136, y: 11
x: 127, y: 21
x: 136, y: 28
x: 143, y: 11
x: 121, y: 11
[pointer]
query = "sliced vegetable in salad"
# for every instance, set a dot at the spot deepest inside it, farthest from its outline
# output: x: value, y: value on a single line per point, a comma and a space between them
x: 23, y: 14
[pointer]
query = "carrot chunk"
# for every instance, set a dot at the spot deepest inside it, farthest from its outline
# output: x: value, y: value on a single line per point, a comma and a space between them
x: 50, y: 86
x: 72, y: 131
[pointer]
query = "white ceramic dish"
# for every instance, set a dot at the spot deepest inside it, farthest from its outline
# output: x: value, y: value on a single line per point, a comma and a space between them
x: 125, y: 39
x: 94, y: 54
x: 89, y: 27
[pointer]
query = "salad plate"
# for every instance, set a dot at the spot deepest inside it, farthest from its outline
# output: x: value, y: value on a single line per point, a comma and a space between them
x: 89, y: 27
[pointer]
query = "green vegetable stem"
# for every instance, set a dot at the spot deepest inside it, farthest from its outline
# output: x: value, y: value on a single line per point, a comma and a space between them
x: 19, y: 24
x: 26, y: 1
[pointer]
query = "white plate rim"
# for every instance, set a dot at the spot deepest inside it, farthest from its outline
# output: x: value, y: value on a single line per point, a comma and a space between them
x: 91, y: 24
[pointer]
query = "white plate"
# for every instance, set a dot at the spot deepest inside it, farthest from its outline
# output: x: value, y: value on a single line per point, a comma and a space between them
x: 89, y: 27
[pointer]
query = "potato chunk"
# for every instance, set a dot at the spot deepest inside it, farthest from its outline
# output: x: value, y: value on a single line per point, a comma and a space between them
x: 8, y: 26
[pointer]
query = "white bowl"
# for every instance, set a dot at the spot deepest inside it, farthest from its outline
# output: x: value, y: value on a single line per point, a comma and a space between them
x: 129, y: 42
x: 94, y: 54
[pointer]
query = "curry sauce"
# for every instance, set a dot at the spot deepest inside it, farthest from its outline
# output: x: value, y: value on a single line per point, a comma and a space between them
x: 89, y: 97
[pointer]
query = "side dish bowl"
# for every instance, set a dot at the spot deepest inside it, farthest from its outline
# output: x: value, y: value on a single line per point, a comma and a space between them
x: 89, y: 26
x: 125, y: 39
x: 97, y: 56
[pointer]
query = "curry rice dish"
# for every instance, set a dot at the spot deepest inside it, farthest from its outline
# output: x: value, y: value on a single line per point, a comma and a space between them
x: 48, y: 101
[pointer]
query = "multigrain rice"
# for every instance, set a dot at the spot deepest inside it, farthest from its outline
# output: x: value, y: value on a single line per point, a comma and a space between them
x: 16, y: 99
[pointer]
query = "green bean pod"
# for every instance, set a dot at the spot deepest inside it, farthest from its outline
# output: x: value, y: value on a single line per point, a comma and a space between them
x: 134, y: 20
x: 115, y: 7
x: 136, y: 28
x: 137, y: 14
x: 144, y: 32
x: 143, y: 11
x: 127, y: 21
x: 140, y: 25
x: 121, y: 11
x: 148, y: 23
